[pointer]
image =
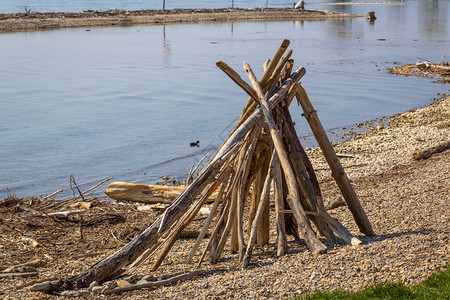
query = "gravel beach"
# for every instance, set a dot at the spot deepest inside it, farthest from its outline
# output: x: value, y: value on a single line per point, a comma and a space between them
x: 406, y: 200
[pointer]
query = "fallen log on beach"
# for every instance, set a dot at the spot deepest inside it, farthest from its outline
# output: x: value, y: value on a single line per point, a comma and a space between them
x: 262, y: 150
x: 427, y: 153
x: 142, y: 192
x: 126, y: 191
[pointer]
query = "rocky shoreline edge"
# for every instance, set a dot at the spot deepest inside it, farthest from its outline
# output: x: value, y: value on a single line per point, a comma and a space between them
x: 30, y: 21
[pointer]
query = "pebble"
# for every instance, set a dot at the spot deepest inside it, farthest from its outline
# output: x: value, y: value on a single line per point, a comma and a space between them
x: 148, y: 278
x: 92, y: 285
x: 97, y: 289
x: 45, y: 286
x: 335, y: 202
x: 122, y: 283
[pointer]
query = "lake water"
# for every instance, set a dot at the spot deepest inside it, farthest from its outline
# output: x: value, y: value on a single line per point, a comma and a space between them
x: 126, y: 102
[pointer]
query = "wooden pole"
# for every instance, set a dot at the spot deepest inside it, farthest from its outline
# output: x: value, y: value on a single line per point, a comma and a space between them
x: 309, y: 199
x: 279, y: 208
x: 337, y: 170
x: 263, y: 230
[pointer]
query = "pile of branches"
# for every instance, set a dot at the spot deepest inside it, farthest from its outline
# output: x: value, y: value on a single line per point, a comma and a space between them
x: 263, y: 150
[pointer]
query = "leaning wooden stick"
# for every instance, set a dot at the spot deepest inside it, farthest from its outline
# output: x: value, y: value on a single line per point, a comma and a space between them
x: 337, y: 170
x: 184, y: 222
x: 279, y: 207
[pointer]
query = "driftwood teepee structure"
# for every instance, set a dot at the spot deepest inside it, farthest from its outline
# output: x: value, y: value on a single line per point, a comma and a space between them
x: 262, y: 149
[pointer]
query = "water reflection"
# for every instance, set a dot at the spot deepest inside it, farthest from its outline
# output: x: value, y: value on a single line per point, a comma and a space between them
x: 346, y: 9
x: 165, y: 48
x: 432, y: 16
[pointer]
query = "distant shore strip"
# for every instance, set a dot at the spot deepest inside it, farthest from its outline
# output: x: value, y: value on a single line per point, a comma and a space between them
x: 31, y: 21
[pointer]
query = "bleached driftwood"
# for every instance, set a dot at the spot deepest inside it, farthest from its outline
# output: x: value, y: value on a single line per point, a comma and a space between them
x: 65, y: 214
x: 142, y: 192
x: 146, y: 193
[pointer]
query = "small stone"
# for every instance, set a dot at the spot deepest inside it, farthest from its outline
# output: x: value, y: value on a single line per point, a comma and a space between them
x: 70, y: 293
x: 148, y: 277
x: 41, y: 287
x: 122, y: 283
x: 335, y: 202
x: 92, y: 285
x: 141, y: 281
x: 131, y: 278
x: 97, y: 289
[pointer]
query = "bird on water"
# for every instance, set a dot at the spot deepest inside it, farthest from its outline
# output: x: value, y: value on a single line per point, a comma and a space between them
x: 196, y: 144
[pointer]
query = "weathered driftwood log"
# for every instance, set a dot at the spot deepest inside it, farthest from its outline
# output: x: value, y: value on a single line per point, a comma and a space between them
x: 307, y: 181
x: 337, y: 170
x: 142, y: 192
x: 279, y: 211
x: 427, y: 153
x: 18, y: 274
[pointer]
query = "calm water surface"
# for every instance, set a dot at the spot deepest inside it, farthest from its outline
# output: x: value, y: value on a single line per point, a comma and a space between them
x: 126, y: 102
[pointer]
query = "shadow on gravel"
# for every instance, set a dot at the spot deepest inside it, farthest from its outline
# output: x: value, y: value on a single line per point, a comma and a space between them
x: 382, y: 237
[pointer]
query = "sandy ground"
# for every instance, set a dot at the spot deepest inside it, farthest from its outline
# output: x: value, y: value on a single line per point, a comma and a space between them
x: 406, y: 200
x: 46, y: 21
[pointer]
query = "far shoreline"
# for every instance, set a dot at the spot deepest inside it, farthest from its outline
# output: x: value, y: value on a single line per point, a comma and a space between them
x: 34, y: 21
